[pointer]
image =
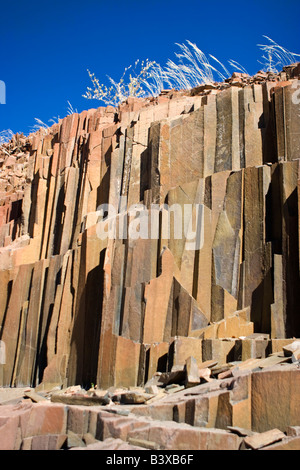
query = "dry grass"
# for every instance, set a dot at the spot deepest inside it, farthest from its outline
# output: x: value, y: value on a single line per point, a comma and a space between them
x: 192, y: 68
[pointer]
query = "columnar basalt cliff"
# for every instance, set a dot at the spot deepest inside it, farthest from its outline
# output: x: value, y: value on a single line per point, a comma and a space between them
x: 80, y: 308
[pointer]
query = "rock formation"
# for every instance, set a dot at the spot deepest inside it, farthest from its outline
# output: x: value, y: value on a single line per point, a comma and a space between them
x: 78, y: 306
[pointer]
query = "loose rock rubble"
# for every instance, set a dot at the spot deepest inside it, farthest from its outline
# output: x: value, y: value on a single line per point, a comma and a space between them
x: 228, y: 407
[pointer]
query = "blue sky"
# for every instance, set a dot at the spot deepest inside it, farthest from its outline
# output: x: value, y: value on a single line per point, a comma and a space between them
x: 47, y: 47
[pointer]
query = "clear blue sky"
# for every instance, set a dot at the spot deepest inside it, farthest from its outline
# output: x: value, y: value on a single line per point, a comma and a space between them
x: 47, y: 47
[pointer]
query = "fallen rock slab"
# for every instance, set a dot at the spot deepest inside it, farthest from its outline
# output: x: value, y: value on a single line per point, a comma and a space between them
x: 10, y: 394
x: 290, y: 348
x: 259, y: 440
x: 135, y: 398
x: 74, y: 440
x: 296, y: 355
x: 110, y: 444
x: 293, y: 431
x: 241, y: 431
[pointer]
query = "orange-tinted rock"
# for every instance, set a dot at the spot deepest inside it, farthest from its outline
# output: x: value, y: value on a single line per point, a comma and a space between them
x: 263, y: 439
x: 79, y: 308
x: 275, y: 399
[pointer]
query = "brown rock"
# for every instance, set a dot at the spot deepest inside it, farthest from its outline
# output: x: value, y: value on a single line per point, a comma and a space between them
x: 35, y: 397
x: 180, y: 436
x: 257, y: 441
x: 10, y: 161
x: 291, y: 348
x: 46, y: 418
x: 8, y: 433
x: 293, y: 431
x: 173, y: 388
x: 192, y: 373
x: 226, y: 374
x: 204, y: 373
x: 76, y: 308
x: 177, y: 375
x: 291, y: 443
x: 109, y: 444
x: 275, y: 398
x: 185, y: 347
x: 296, y: 355
x: 241, y: 431
x: 152, y: 389
x: 73, y: 440
x: 88, y: 438
x: 84, y: 400
x: 143, y: 443
x: 135, y: 398
x: 45, y: 442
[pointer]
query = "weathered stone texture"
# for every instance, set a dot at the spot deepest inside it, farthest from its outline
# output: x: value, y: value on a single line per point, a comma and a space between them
x: 79, y: 307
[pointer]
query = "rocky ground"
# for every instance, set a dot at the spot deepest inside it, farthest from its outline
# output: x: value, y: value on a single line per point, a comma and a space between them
x: 174, y: 410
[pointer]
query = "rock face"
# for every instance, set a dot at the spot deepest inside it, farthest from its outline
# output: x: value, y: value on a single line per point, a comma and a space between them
x: 200, y: 190
x: 242, y: 412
